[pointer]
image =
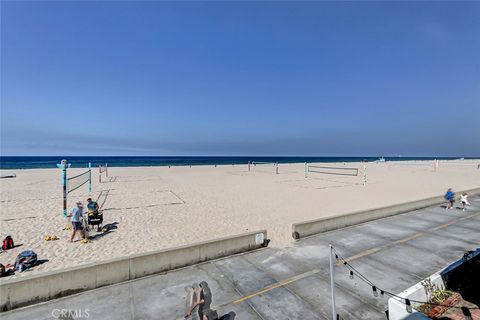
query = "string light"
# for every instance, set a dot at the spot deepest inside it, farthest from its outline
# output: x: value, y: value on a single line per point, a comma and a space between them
x: 407, y: 302
x: 374, y: 289
x: 408, y: 306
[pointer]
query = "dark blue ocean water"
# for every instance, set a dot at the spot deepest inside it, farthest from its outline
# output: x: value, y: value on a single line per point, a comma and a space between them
x: 133, y: 161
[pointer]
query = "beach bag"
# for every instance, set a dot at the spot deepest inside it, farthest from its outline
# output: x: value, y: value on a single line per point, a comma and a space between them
x: 7, y: 243
x: 2, y: 270
x: 26, y: 259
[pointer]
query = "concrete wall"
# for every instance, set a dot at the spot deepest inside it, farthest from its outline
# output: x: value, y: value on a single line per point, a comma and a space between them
x: 307, y: 228
x: 18, y: 292
x: 154, y: 262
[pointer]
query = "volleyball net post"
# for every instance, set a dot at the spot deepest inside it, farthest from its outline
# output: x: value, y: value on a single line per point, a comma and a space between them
x: 102, y: 170
x: 248, y: 165
x: 64, y: 187
x: 305, y: 174
x: 63, y: 165
x: 364, y: 173
x: 89, y: 177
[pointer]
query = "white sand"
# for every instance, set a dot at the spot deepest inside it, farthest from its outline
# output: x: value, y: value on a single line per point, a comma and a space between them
x: 161, y: 207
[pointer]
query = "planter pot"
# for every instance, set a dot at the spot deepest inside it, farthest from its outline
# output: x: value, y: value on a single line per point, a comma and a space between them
x: 438, y: 311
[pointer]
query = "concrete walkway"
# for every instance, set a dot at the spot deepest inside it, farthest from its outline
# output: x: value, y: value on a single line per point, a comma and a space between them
x: 292, y: 282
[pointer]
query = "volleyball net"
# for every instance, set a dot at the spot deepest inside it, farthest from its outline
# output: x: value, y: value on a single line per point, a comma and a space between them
x: 268, y: 166
x: 339, y: 171
x: 75, y: 182
x: 101, y: 170
x: 70, y: 184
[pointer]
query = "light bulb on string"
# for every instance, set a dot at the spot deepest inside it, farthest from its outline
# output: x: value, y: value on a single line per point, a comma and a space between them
x: 351, y: 274
x: 408, y: 306
x: 375, y: 292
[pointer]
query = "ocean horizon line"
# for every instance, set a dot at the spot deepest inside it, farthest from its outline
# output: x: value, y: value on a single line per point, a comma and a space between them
x: 39, y: 162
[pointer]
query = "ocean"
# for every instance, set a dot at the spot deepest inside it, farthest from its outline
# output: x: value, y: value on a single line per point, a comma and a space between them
x: 31, y: 162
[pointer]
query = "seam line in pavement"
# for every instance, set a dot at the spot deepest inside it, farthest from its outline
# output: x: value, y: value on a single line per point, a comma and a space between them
x: 266, y: 271
x: 473, y: 243
x: 412, y: 237
x: 278, y: 284
x: 248, y: 303
x: 350, y: 293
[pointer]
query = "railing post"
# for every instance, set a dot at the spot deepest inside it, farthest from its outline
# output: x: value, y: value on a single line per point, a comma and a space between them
x: 332, y: 282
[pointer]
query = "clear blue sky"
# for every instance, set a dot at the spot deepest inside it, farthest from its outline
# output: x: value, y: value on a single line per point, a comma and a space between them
x: 240, y: 78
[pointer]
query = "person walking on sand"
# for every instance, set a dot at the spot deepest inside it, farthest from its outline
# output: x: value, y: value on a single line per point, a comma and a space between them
x: 464, y: 201
x: 76, y: 217
x: 450, y: 197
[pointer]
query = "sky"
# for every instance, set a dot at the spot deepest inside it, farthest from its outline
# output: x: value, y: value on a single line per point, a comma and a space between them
x: 240, y: 78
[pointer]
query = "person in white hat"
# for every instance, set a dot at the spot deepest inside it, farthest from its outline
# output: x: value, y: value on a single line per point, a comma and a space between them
x: 76, y: 217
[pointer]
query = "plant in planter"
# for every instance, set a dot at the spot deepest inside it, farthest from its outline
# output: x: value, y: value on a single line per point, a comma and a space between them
x: 436, y: 295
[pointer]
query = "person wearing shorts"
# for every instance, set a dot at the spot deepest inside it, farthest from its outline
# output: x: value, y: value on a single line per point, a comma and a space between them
x: 76, y: 217
x: 450, y: 197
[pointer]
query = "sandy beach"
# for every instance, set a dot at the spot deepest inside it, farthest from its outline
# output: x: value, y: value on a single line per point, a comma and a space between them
x: 151, y: 208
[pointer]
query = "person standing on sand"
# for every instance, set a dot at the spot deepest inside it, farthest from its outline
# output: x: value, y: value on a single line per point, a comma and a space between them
x: 450, y: 197
x: 76, y: 217
x: 92, y: 205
